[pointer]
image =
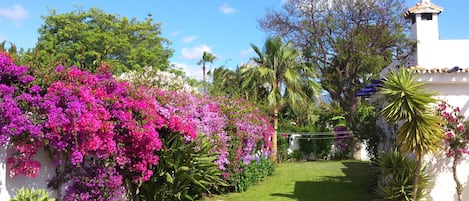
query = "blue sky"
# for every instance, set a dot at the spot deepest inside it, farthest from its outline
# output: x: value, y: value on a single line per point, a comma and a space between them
x: 224, y: 28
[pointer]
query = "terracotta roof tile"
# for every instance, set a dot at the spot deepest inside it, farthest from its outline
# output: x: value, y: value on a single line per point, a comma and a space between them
x: 421, y: 70
x: 422, y: 6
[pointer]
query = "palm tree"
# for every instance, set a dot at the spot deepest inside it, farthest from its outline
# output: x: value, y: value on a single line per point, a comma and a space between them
x: 280, y: 71
x: 420, y: 132
x: 225, y: 82
x: 206, y: 57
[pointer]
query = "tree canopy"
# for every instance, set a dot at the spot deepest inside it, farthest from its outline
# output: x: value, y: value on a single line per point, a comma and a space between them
x: 349, y: 42
x: 88, y: 38
x: 286, y: 78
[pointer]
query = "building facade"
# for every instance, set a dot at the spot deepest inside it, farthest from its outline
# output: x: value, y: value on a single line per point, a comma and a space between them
x: 444, y: 65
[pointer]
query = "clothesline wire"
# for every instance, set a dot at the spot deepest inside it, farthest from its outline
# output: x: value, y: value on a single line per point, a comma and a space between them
x: 323, y: 138
x: 320, y: 133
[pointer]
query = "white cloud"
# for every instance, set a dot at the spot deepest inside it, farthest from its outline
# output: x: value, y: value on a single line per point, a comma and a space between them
x: 189, y: 39
x: 247, y: 52
x: 227, y: 9
x: 174, y: 33
x: 284, y: 1
x: 192, y: 71
x: 16, y: 12
x: 195, y: 52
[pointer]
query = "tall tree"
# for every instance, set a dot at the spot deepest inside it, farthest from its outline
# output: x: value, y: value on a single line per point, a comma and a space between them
x: 226, y: 82
x: 282, y: 73
x: 420, y: 132
x: 88, y: 38
x: 348, y: 41
x: 207, y: 57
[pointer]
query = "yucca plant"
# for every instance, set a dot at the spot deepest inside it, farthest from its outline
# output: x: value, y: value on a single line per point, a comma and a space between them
x: 186, y: 171
x: 409, y: 103
x: 28, y: 194
x: 395, y: 174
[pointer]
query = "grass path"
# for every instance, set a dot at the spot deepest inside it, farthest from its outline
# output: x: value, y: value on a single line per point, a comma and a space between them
x: 310, y: 181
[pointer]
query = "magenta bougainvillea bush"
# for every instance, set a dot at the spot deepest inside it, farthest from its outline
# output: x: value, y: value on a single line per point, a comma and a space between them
x: 103, y: 134
x: 237, y: 130
x: 456, y: 139
x: 19, y: 103
x: 249, y: 131
x: 205, y: 114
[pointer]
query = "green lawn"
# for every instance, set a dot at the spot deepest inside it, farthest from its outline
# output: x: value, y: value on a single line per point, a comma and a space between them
x: 311, y: 181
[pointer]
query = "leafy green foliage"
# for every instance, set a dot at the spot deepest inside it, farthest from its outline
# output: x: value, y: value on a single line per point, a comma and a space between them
x: 295, y: 155
x: 88, y: 38
x: 395, y: 177
x: 320, y: 148
x: 186, y: 171
x: 283, y: 144
x: 286, y: 79
x: 328, y: 116
x: 253, y: 173
x: 348, y: 42
x: 27, y: 194
x: 366, y: 128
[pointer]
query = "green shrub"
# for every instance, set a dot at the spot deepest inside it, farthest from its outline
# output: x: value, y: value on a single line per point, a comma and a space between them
x: 27, y: 194
x: 186, y: 171
x: 282, y: 147
x: 295, y: 155
x: 319, y: 147
x: 251, y: 174
x: 395, y: 176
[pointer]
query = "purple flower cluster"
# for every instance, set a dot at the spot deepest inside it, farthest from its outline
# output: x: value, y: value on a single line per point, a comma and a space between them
x: 103, y: 133
x: 250, y: 134
x: 341, y: 136
x: 20, y: 125
x: 205, y: 114
x: 456, y: 134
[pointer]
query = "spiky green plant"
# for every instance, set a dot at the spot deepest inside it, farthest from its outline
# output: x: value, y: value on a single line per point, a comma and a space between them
x: 28, y: 194
x: 408, y: 101
x: 395, y: 177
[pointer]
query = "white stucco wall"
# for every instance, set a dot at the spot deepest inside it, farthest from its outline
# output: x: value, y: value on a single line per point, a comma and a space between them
x: 443, y: 53
x: 454, y: 88
x: 444, y: 189
x: 9, y: 184
x: 457, y: 94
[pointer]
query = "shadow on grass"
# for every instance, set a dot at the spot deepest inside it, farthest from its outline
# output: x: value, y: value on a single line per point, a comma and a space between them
x: 354, y: 186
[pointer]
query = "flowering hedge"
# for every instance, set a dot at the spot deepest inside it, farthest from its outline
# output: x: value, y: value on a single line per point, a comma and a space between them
x: 19, y: 102
x: 249, y: 132
x: 104, y: 134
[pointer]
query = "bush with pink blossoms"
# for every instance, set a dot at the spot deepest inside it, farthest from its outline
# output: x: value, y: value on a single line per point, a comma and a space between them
x: 456, y: 138
x: 205, y: 114
x: 20, y: 125
x: 250, y: 137
x: 105, y: 135
x: 92, y: 118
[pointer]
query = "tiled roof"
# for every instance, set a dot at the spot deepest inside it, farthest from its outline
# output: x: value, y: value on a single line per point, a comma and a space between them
x: 422, y: 6
x: 455, y: 69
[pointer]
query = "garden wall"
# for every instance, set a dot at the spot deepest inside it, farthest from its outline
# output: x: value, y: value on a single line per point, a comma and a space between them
x: 9, y: 184
x: 444, y: 188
